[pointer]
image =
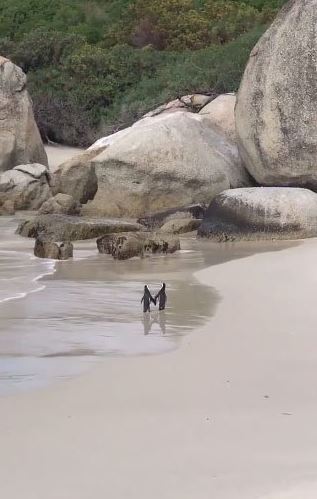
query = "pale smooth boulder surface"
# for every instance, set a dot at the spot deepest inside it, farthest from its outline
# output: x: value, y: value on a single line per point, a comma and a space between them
x: 220, y: 113
x: 26, y: 186
x: 76, y: 176
x: 159, y: 163
x: 261, y: 213
x: 20, y: 140
x: 277, y: 105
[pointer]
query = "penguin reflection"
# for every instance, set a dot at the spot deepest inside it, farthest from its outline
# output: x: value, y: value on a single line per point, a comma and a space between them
x: 149, y: 320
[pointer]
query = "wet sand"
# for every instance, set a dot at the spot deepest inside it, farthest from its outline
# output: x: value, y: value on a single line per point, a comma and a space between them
x: 59, y: 319
x: 230, y: 413
x: 89, y: 308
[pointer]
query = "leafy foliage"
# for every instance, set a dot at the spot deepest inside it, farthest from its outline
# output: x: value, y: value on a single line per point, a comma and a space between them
x: 95, y: 66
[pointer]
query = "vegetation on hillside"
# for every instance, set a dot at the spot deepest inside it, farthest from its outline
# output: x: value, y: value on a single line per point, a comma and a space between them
x: 95, y: 66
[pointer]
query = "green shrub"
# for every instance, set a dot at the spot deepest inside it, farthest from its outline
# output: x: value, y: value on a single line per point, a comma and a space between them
x: 96, y: 66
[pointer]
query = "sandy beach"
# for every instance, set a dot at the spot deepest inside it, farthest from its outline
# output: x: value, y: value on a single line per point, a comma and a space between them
x: 230, y: 414
x: 57, y: 154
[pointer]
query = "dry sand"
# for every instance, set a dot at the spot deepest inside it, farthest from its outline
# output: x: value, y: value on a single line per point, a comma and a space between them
x: 229, y: 415
x: 57, y: 154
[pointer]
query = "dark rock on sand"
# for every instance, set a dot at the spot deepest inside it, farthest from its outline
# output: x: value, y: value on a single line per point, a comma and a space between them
x: 129, y: 245
x: 45, y: 248
x: 69, y: 228
x: 261, y: 213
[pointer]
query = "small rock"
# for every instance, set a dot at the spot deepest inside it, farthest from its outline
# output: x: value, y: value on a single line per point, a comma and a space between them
x: 61, y: 204
x: 66, y: 250
x: 45, y: 248
x: 7, y: 208
x: 181, y: 226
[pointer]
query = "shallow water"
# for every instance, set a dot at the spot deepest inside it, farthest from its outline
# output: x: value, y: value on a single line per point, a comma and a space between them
x: 56, y: 319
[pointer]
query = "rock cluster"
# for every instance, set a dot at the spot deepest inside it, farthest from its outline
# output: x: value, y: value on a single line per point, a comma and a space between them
x: 139, y: 244
x: 190, y: 153
x: 26, y: 186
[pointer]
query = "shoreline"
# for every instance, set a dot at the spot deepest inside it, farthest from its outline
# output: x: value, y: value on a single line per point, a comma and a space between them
x: 49, y: 335
x: 230, y: 414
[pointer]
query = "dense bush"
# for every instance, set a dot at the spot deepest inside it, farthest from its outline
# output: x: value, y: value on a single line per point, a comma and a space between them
x: 95, y: 66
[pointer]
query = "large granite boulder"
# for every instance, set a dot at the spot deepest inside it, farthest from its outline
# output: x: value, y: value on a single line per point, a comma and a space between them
x: 261, y: 213
x: 220, y: 113
x: 27, y: 186
x: 162, y: 162
x: 277, y: 106
x: 61, y: 204
x: 76, y: 176
x: 70, y: 228
x: 140, y: 244
x: 20, y: 140
x: 45, y: 248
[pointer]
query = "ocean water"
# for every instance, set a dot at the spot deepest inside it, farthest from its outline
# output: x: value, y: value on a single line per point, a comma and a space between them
x: 58, y: 319
x: 20, y: 271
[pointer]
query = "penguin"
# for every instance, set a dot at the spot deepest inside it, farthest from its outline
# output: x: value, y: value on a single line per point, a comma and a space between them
x: 147, y: 299
x: 161, y: 295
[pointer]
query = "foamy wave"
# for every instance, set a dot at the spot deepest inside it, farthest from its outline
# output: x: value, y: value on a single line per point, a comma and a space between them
x: 20, y: 273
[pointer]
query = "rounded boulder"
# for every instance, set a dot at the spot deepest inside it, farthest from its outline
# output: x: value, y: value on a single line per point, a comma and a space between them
x: 261, y: 213
x: 277, y: 105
